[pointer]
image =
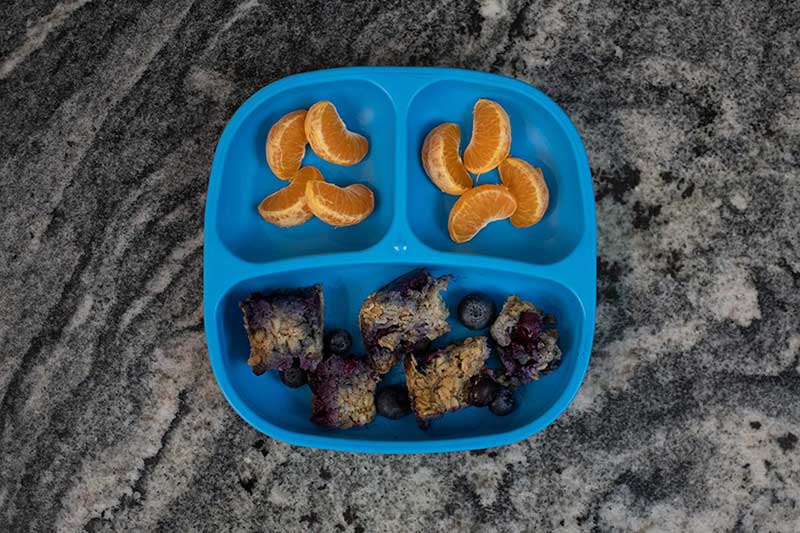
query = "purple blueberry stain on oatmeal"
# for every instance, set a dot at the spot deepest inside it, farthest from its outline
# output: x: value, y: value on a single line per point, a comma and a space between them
x: 526, y: 342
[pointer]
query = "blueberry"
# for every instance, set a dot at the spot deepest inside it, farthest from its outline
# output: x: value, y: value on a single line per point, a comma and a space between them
x: 482, y: 391
x: 503, y: 402
x: 339, y: 342
x: 294, y: 377
x: 392, y: 402
x: 528, y: 328
x: 421, y: 345
x: 476, y: 310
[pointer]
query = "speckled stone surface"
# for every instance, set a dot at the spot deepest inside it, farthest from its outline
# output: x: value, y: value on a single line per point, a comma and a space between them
x: 689, y: 417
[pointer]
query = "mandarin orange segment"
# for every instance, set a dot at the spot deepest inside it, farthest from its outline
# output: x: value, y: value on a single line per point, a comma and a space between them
x: 442, y: 162
x: 288, y: 207
x: 491, y: 137
x: 476, y: 208
x: 286, y: 144
x: 329, y: 137
x: 339, y: 206
x: 527, y: 185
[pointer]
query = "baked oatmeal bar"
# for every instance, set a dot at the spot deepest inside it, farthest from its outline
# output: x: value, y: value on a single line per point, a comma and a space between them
x: 283, y: 326
x: 402, y: 317
x: 526, y: 346
x: 343, y: 390
x: 439, y: 382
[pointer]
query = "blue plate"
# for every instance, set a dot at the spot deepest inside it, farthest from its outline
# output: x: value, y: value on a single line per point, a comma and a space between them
x: 551, y: 263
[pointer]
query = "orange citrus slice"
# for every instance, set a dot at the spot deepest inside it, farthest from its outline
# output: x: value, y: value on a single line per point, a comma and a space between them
x: 476, y: 208
x: 329, y: 137
x: 441, y: 160
x: 286, y: 144
x: 288, y: 207
x: 527, y: 185
x: 491, y: 137
x: 339, y: 206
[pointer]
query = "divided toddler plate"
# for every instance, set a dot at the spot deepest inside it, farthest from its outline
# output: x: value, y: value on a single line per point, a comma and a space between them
x: 551, y: 263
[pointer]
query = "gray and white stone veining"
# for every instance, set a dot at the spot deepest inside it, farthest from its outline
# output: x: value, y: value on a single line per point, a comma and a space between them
x: 690, y: 413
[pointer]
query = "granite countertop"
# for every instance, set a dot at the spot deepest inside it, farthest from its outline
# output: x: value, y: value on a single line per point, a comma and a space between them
x: 689, y: 416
